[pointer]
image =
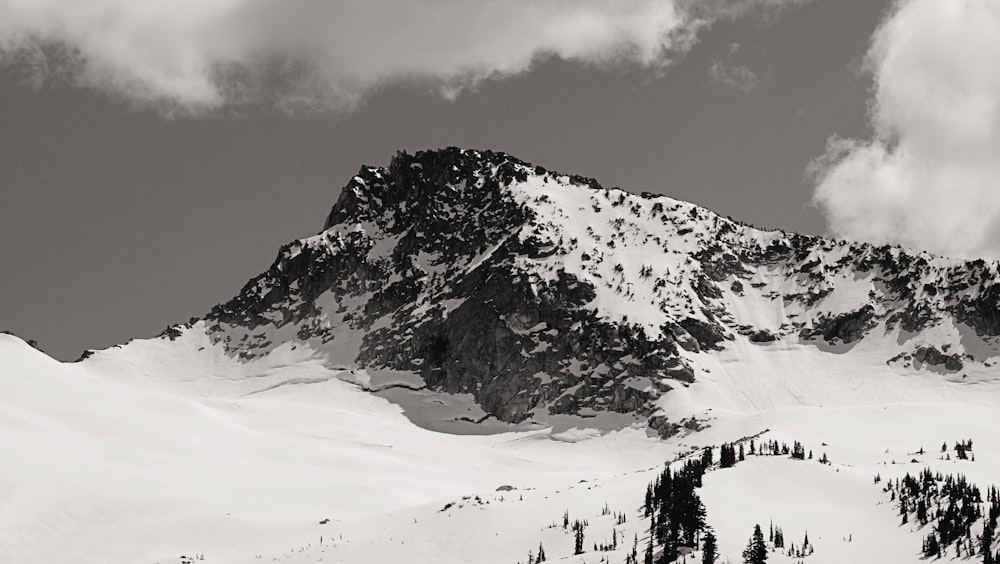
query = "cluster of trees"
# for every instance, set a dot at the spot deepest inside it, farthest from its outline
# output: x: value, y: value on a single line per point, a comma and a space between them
x: 963, y: 449
x: 677, y: 518
x: 608, y: 545
x: 776, y: 536
x: 757, y: 548
x: 773, y: 448
x: 990, y: 527
x: 952, y: 506
x: 728, y: 455
x: 619, y: 518
x: 532, y: 559
x: 676, y: 513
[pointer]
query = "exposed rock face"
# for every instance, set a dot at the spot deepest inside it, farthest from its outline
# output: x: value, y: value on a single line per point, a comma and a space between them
x: 846, y: 328
x: 533, y: 291
x: 934, y: 357
x: 487, y: 327
x: 762, y: 336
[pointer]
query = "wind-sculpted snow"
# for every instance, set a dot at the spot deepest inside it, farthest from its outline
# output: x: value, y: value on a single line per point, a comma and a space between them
x: 541, y: 293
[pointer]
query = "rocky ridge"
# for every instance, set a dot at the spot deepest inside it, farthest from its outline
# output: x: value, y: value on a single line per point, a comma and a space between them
x: 540, y: 292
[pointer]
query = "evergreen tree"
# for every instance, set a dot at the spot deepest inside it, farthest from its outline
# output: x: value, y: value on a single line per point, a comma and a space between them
x: 798, y: 452
x: 709, y: 550
x: 727, y: 456
x: 987, y: 544
x: 577, y: 537
x: 756, y: 550
x: 931, y: 546
x: 541, y: 553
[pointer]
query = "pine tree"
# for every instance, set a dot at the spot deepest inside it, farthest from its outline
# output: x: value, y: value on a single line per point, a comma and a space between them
x: 798, y: 452
x: 987, y: 544
x: 541, y: 553
x: 756, y: 550
x: 577, y: 537
x: 706, y: 457
x: 931, y: 546
x: 709, y: 550
x: 727, y: 456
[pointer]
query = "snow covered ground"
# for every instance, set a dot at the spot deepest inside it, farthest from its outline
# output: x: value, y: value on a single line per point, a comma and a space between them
x: 162, y: 449
x: 100, y: 467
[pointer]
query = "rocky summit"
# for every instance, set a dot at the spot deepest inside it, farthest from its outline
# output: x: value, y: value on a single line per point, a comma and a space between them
x: 543, y: 293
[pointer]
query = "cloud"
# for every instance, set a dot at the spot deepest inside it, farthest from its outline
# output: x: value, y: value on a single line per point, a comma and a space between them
x: 196, y: 55
x: 929, y: 177
x: 731, y: 72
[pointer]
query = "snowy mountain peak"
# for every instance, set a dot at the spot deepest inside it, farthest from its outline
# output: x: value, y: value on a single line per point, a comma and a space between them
x: 469, y: 293
x: 540, y: 293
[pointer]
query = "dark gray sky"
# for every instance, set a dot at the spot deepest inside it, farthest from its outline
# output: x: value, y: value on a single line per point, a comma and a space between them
x: 115, y: 222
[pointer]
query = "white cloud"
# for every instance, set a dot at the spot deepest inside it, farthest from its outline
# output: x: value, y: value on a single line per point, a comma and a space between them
x: 930, y: 176
x: 731, y: 72
x: 203, y: 54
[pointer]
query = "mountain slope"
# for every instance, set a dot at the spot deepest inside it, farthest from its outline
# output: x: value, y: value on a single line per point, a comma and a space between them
x: 568, y: 340
x: 103, y: 465
x: 542, y: 294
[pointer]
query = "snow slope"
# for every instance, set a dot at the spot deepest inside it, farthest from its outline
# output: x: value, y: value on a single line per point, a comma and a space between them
x: 153, y: 452
x: 105, y: 466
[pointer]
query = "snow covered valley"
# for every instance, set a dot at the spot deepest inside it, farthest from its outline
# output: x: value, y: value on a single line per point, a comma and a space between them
x: 285, y: 461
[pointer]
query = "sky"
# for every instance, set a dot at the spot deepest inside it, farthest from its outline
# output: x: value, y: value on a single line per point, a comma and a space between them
x: 154, y: 156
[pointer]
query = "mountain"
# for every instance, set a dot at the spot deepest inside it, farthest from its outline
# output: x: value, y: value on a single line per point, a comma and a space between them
x: 545, y: 294
x: 475, y: 353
